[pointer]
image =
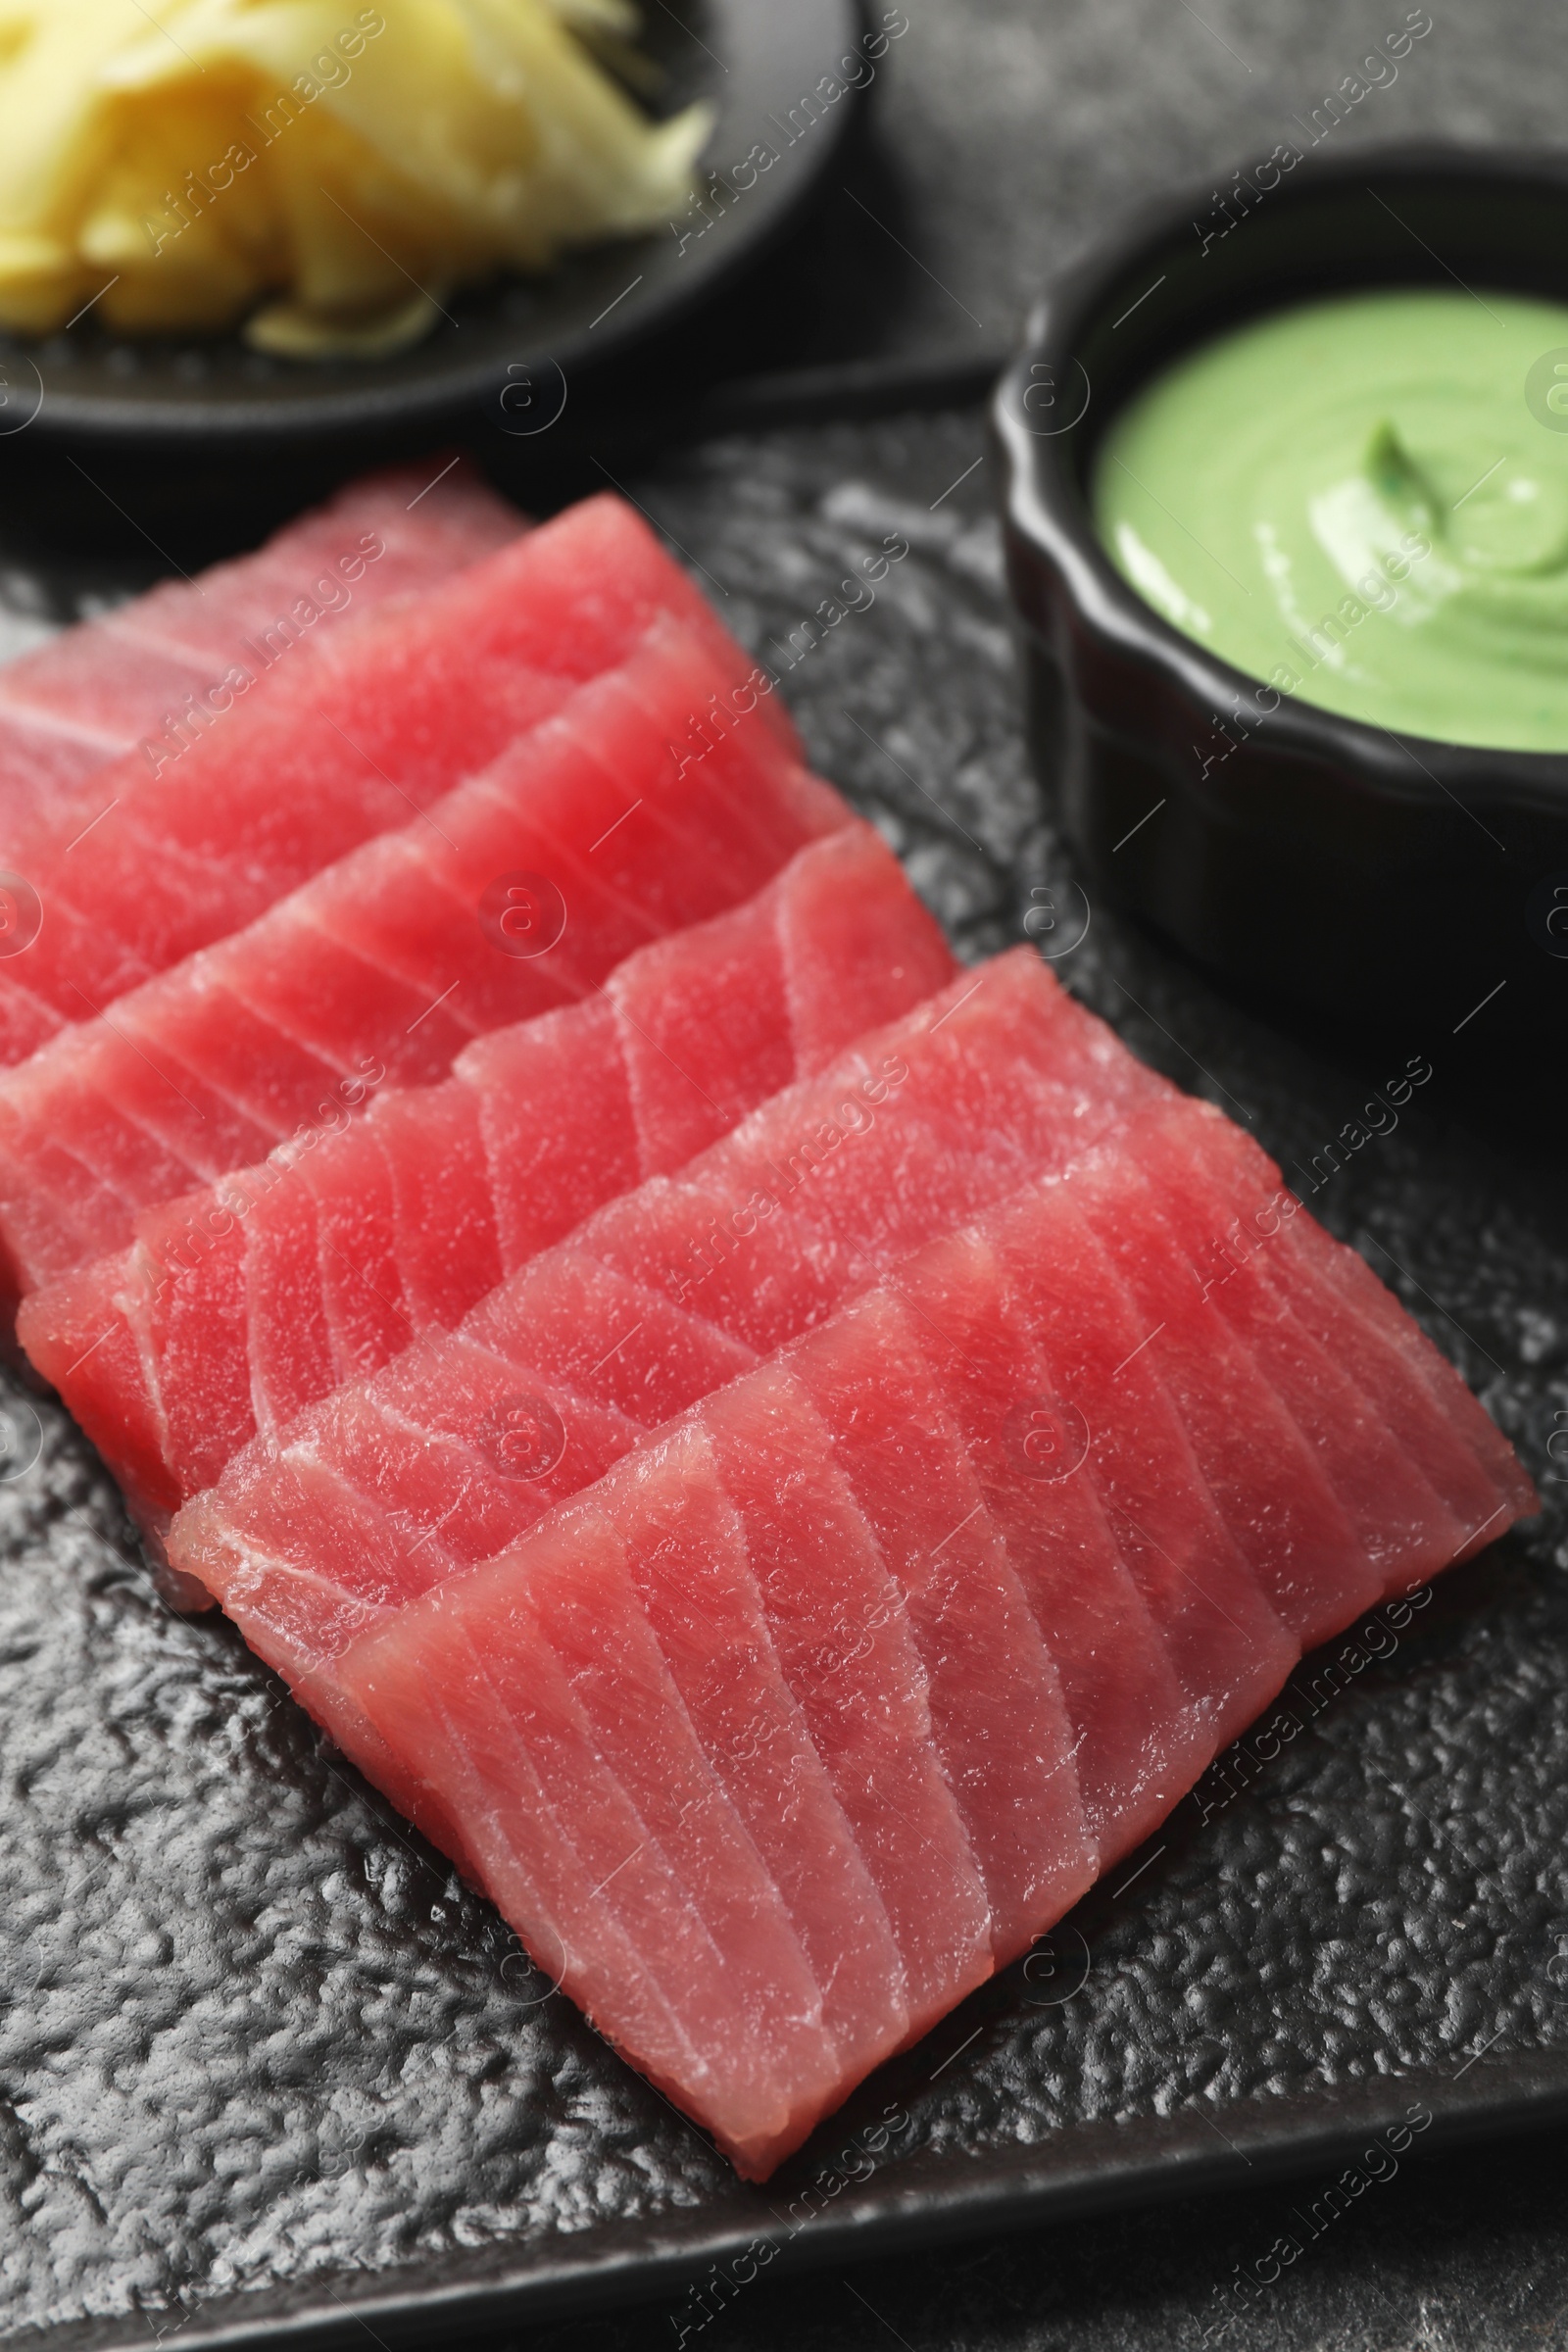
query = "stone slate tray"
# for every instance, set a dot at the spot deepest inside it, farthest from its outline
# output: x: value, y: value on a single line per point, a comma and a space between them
x: 268, y: 2073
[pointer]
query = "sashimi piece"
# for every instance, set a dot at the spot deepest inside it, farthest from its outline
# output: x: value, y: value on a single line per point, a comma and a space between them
x: 803, y: 1523
x: 278, y: 1290
x: 848, y: 1651
x: 704, y: 1605
x: 358, y: 731
x: 1138, y: 1739
x: 1242, y: 1407
x: 1384, y: 1343
x: 619, y: 1341
x: 498, y: 1448
x: 651, y: 1938
x: 666, y: 1288
x: 444, y: 1189
x: 1255, y: 1253
x: 332, y: 982
x: 656, y: 1808
x: 1229, y: 1647
x: 439, y: 1250
x: 1320, y: 1494
x: 995, y: 1700
x: 357, y: 1214
x: 560, y: 1128
x: 107, y: 687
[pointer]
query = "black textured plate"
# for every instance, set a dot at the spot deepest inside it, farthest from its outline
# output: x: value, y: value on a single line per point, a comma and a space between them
x: 510, y: 352
x: 269, y: 2075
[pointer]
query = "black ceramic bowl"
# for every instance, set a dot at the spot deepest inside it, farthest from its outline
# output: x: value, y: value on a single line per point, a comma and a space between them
x: 1385, y: 877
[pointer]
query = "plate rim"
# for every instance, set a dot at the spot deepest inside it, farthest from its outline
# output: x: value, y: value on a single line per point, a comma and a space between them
x: 815, y: 28
x: 1082, y: 2169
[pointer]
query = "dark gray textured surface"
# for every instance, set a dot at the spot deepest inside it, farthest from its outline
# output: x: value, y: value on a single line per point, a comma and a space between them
x: 1003, y: 134
x: 252, y: 2034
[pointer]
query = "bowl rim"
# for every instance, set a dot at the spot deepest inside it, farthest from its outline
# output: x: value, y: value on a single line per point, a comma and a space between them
x: 1047, y: 518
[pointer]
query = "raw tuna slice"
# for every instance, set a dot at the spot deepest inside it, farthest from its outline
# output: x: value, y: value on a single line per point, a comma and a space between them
x: 822, y: 1484
x: 1331, y: 1332
x: 358, y: 731
x: 1138, y: 1739
x: 516, y: 893
x: 408, y: 1216
x: 391, y: 1484
x: 130, y: 681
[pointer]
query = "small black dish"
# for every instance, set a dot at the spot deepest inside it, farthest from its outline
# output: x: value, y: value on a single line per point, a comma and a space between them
x: 1298, y: 854
x: 172, y: 434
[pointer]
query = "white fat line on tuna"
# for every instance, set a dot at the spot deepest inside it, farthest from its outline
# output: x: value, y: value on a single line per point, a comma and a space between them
x: 619, y: 1867
x: 435, y: 1530
x: 362, y: 1275
x: 1183, y: 1573
x: 183, y: 729
x: 884, y: 1280
x: 808, y: 1154
x: 136, y: 1049
x: 621, y: 1014
x: 704, y: 1797
x: 680, y: 1068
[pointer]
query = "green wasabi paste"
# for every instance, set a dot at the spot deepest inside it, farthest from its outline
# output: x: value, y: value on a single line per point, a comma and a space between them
x: 1364, y: 502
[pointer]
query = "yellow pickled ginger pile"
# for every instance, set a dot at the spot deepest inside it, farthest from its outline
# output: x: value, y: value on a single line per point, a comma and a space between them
x: 325, y: 171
